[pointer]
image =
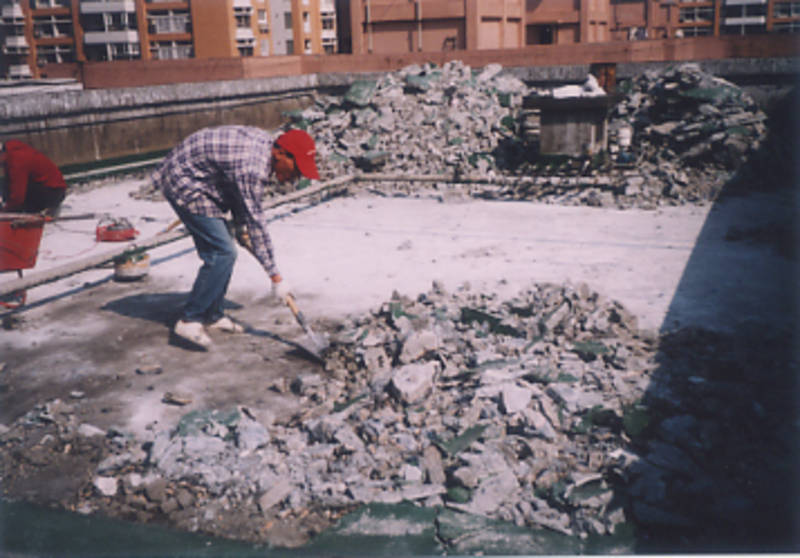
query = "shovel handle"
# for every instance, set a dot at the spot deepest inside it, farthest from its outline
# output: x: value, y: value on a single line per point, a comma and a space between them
x: 293, y: 306
x: 171, y: 226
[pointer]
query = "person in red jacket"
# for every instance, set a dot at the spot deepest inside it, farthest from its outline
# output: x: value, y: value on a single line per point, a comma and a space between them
x: 33, y: 182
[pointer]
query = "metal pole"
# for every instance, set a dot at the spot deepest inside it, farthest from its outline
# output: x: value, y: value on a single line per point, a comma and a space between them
x: 369, y: 26
x: 419, y: 25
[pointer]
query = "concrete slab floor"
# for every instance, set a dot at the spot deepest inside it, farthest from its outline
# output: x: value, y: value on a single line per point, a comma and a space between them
x: 671, y: 267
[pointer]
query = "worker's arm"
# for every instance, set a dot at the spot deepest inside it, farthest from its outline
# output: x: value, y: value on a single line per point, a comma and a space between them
x: 251, y: 222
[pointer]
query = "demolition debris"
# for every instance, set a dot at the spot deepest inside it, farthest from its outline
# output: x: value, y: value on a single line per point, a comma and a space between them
x: 675, y: 137
x: 549, y: 410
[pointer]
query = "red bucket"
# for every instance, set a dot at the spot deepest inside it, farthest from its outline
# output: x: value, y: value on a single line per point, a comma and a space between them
x: 20, y: 236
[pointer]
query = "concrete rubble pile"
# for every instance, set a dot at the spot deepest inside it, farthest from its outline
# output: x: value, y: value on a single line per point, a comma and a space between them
x: 549, y: 410
x: 691, y: 132
x: 676, y: 136
x: 422, y: 119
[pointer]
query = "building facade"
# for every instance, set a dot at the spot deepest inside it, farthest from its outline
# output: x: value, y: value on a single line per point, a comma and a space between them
x: 49, y: 38
x: 394, y: 26
x: 304, y: 26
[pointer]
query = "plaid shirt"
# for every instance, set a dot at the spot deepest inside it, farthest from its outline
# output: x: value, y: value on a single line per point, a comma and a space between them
x: 216, y: 170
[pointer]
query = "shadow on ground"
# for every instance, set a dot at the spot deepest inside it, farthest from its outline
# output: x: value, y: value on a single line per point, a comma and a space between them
x: 716, y: 435
x: 162, y: 308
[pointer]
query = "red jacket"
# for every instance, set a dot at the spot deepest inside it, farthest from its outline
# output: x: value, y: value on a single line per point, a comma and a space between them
x: 25, y: 165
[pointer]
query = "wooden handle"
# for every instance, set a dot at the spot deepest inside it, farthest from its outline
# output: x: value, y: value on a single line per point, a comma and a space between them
x: 292, y: 305
x: 171, y: 226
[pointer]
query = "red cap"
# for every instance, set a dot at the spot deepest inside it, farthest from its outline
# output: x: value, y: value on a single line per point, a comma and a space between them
x: 302, y: 148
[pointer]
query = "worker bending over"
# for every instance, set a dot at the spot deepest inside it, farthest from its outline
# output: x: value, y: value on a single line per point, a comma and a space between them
x: 33, y: 182
x: 228, y: 169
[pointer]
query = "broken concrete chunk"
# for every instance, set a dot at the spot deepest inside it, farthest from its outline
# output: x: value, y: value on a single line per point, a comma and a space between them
x: 432, y: 464
x: 107, y: 486
x: 251, y: 434
x: 274, y: 495
x: 575, y: 399
x: 413, y: 382
x: 89, y: 431
x: 417, y: 344
x: 515, y: 398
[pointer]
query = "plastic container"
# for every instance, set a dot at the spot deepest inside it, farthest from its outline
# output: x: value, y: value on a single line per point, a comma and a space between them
x: 131, y: 267
x: 20, y: 236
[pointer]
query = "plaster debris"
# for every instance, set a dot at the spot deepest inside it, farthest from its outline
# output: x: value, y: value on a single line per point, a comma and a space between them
x: 557, y: 413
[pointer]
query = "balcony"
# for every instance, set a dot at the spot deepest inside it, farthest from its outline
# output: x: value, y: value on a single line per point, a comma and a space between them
x: 16, y: 42
x: 745, y: 20
x: 45, y: 4
x: 169, y: 24
x: 19, y: 71
x: 104, y: 37
x: 107, y: 6
x: 13, y: 14
x: 244, y: 34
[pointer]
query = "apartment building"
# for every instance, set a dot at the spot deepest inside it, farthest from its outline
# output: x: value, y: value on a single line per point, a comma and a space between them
x: 396, y: 26
x: 49, y: 38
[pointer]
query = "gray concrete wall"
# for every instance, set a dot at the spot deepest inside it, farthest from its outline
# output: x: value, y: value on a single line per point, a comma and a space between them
x: 85, y: 126
x: 75, y: 127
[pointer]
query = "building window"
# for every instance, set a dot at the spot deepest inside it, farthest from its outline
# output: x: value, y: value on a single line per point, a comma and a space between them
x: 287, y: 20
x: 787, y: 27
x: 696, y: 13
x: 787, y: 9
x: 745, y: 10
x: 329, y: 22
x: 695, y: 31
x: 263, y: 21
x: 169, y: 23
x: 54, y: 54
x: 290, y: 46
x: 243, y: 21
x: 171, y: 50
x: 748, y: 19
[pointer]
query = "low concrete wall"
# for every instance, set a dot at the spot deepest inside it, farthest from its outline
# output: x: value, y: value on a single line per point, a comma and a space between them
x: 75, y: 127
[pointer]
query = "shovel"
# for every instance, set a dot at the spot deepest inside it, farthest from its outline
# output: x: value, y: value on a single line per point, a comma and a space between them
x: 318, y: 343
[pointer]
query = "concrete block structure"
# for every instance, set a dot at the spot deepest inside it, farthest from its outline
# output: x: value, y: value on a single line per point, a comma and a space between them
x: 51, y: 38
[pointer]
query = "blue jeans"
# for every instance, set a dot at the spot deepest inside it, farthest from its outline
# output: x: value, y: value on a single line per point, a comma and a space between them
x: 216, y: 248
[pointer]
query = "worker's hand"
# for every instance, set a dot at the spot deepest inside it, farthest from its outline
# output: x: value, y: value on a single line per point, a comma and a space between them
x: 280, y: 288
x: 243, y: 238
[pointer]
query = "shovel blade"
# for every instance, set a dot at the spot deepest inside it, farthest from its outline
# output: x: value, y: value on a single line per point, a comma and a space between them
x: 318, y: 343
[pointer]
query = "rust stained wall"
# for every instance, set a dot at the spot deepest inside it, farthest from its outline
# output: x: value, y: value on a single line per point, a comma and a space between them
x: 134, y: 73
x: 271, y: 66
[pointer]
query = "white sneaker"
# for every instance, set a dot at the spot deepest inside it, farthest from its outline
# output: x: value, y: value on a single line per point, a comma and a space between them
x: 194, y: 332
x: 227, y: 325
